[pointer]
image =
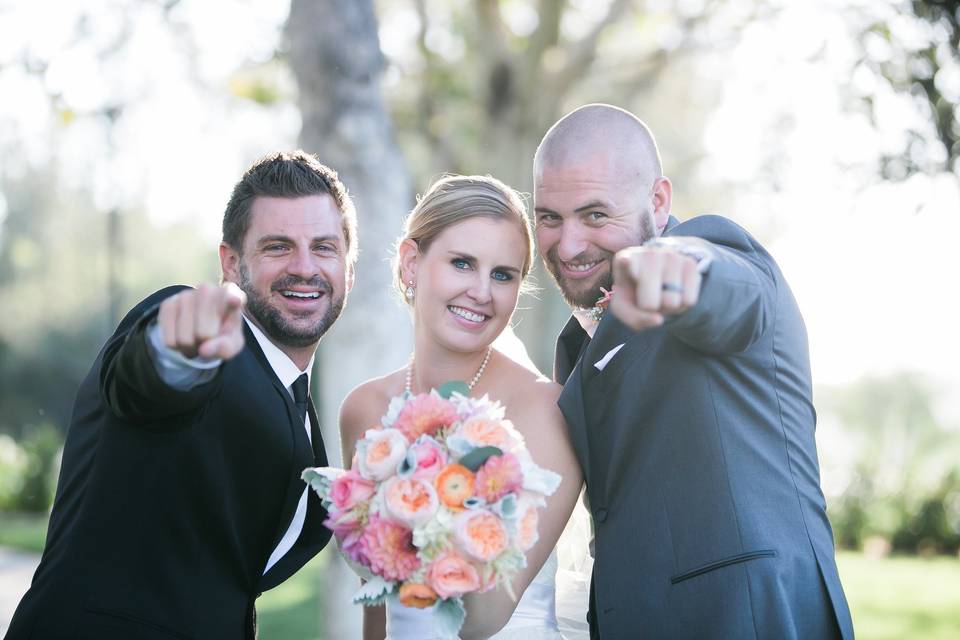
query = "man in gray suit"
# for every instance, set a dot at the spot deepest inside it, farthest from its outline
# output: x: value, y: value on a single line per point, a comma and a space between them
x: 689, y: 402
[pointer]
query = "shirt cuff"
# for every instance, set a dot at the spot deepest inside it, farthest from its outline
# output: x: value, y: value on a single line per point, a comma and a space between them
x: 174, y: 368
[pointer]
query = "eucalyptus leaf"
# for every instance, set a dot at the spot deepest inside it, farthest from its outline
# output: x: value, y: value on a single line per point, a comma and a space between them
x: 447, y: 389
x: 374, y: 591
x: 475, y: 459
x: 448, y: 617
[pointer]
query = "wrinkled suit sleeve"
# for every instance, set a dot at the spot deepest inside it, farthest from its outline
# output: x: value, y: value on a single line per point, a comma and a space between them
x: 129, y: 381
x: 738, y: 292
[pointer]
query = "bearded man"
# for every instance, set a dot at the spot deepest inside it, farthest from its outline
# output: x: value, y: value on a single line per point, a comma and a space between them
x: 180, y: 500
x: 688, y: 398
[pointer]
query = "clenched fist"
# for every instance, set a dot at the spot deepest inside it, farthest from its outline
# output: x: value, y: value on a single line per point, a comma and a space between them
x: 206, y: 321
x: 651, y: 282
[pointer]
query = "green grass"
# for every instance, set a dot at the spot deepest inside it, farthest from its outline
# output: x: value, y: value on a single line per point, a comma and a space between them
x: 902, y: 596
x: 292, y: 611
x: 24, y: 531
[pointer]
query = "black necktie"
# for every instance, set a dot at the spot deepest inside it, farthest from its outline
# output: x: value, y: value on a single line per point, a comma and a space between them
x: 301, y: 398
x: 301, y: 395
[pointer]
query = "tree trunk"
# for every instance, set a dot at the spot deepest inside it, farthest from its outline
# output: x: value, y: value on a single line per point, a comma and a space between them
x: 336, y: 58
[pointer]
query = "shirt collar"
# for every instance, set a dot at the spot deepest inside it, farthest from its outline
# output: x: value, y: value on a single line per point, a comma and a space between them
x: 280, y: 362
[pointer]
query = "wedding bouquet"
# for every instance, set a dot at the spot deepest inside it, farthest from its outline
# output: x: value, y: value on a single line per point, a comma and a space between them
x: 442, y: 500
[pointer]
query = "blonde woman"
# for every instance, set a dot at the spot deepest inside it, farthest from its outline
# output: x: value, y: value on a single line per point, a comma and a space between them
x: 465, y: 253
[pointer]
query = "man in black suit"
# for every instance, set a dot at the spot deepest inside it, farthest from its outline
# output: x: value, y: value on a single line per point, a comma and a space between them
x: 180, y: 497
x: 689, y: 403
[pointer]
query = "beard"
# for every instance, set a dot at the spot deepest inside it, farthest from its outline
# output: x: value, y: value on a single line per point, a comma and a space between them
x: 272, y: 321
x: 583, y: 295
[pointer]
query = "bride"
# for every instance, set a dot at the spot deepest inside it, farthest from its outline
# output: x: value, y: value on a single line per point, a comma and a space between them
x: 461, y: 265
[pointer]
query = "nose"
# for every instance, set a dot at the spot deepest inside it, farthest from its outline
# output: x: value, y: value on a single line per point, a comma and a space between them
x: 479, y: 290
x: 572, y: 241
x: 303, y: 263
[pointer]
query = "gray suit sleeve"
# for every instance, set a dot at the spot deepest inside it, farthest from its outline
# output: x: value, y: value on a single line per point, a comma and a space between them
x: 737, y: 295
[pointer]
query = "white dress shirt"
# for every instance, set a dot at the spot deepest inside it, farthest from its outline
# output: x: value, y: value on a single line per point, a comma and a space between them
x: 184, y: 373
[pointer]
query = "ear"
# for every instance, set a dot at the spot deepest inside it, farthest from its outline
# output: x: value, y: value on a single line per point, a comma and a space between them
x: 351, y: 273
x: 230, y: 263
x: 409, y: 252
x: 662, y: 199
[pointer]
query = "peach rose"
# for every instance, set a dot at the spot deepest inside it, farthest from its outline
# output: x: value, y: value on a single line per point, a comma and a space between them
x: 451, y: 575
x: 419, y: 596
x: 380, y: 452
x: 410, y: 501
x: 454, y: 485
x: 480, y: 534
x: 350, y: 489
x: 527, y: 523
x: 482, y: 432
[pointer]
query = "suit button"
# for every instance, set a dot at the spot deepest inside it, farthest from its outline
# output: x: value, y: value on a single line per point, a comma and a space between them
x: 600, y: 515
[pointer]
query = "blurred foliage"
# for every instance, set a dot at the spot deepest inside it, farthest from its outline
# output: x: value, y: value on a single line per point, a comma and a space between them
x: 28, y: 470
x: 54, y: 246
x: 914, y: 51
x: 903, y: 464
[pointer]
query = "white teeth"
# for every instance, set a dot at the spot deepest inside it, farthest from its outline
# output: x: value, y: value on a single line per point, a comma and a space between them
x: 469, y: 315
x: 297, y: 294
x: 581, y: 267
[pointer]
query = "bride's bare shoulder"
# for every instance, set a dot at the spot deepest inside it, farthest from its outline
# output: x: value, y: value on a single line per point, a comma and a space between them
x: 529, y: 387
x: 367, y: 401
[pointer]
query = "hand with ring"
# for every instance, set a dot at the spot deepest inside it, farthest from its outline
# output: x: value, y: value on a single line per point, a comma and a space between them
x: 652, y: 282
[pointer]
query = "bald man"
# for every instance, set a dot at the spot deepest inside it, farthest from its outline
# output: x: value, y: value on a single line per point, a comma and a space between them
x: 688, y: 397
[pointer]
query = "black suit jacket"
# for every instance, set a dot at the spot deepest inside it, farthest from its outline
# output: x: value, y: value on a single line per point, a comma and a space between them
x: 697, y: 446
x: 170, y: 503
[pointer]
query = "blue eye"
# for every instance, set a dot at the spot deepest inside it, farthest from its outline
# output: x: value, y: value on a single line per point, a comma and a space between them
x: 596, y: 216
x: 502, y: 276
x: 460, y: 263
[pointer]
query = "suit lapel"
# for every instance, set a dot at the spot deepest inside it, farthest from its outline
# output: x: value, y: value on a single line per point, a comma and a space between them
x: 303, y: 455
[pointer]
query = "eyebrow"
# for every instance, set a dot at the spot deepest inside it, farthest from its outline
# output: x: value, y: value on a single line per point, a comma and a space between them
x: 593, y: 204
x: 470, y: 258
x: 281, y: 238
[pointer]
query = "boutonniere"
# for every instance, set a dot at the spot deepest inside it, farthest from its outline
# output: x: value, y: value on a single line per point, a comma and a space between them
x: 595, y: 312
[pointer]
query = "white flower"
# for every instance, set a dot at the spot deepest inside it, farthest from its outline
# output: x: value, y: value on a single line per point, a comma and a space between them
x: 380, y: 452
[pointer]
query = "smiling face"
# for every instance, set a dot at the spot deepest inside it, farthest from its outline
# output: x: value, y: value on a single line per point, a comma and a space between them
x: 467, y: 282
x: 293, y: 267
x: 588, y: 210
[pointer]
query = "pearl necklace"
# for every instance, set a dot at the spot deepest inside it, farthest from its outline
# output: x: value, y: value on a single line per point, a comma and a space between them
x: 470, y: 385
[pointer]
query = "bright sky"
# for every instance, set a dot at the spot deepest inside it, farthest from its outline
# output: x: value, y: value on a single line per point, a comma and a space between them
x: 871, y: 264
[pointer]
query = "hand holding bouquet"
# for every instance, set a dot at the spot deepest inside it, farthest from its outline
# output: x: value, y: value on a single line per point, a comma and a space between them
x: 442, y: 500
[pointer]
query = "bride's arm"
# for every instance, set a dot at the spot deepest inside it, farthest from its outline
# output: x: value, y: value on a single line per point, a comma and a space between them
x: 543, y: 428
x: 354, y: 421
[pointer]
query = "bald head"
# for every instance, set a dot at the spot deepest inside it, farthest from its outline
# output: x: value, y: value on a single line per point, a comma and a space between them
x: 600, y: 131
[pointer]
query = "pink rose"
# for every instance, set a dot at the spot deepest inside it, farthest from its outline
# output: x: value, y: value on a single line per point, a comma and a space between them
x: 350, y: 489
x: 430, y: 457
x: 450, y: 575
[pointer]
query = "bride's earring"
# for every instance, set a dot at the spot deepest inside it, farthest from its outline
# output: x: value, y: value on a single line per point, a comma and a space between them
x: 410, y: 292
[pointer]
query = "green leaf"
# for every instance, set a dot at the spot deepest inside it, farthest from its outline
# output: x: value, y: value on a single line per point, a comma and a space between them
x: 447, y: 389
x: 475, y: 459
x: 374, y: 591
x: 448, y: 617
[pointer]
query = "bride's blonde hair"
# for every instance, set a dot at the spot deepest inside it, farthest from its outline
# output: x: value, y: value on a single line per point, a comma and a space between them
x: 455, y: 198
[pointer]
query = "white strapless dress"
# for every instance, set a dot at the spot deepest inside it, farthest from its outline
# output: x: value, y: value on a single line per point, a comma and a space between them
x: 535, y: 617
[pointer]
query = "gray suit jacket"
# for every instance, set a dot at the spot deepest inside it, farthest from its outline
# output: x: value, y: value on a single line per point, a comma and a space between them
x: 697, y: 445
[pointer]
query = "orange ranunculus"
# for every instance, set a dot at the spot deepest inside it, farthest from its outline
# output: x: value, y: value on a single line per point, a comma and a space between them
x: 417, y: 595
x: 454, y: 485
